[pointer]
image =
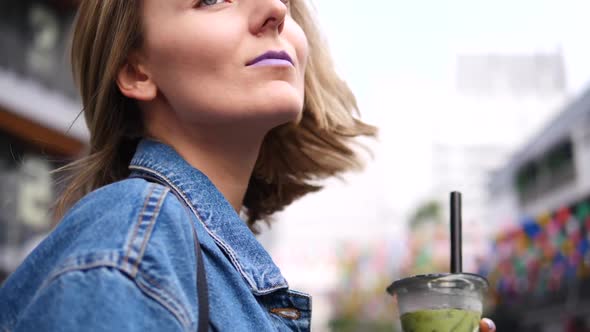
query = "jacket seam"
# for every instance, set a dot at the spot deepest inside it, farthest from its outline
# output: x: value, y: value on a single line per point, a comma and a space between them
x: 136, y: 226
x: 175, y: 307
x: 230, y: 251
x: 150, y: 227
x: 151, y: 292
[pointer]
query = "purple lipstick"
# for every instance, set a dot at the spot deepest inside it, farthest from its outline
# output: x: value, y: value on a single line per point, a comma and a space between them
x: 272, y: 58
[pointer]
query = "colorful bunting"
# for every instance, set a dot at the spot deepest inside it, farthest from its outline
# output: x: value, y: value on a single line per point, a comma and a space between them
x: 542, y: 253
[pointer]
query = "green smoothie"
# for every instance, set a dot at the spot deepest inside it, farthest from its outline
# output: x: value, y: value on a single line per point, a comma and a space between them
x: 441, y: 320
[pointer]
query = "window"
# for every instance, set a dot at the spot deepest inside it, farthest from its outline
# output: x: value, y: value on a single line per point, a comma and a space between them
x: 553, y: 170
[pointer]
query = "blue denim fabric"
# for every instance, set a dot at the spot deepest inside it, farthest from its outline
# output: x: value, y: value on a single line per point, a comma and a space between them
x: 122, y: 259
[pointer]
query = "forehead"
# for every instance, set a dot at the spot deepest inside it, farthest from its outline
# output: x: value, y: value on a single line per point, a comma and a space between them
x: 156, y: 5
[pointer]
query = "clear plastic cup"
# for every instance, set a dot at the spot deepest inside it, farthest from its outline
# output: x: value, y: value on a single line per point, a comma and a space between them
x: 440, y: 302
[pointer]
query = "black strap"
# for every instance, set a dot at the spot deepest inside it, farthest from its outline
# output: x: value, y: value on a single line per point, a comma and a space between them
x: 202, y: 288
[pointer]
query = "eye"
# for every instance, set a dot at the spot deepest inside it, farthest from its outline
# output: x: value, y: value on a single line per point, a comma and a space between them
x: 211, y: 2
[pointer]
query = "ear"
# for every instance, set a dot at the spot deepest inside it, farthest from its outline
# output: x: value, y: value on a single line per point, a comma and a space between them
x: 135, y: 82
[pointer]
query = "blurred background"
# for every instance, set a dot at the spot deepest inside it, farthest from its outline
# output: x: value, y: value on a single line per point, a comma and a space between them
x: 488, y: 98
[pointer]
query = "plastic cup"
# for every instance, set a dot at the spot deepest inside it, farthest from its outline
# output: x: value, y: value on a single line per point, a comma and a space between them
x: 440, y: 302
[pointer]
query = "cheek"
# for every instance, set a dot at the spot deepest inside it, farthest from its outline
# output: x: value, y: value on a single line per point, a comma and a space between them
x: 192, y: 51
x: 297, y: 37
x: 187, y: 66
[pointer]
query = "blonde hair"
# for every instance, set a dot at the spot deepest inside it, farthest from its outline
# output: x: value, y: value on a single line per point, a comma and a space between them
x: 292, y: 157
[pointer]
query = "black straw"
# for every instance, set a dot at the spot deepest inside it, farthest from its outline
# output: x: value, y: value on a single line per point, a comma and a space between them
x: 456, y: 264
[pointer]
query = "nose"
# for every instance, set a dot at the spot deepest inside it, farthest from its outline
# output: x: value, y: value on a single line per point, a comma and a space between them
x: 268, y: 16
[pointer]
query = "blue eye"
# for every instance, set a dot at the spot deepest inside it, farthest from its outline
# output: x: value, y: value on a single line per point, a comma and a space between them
x: 210, y: 2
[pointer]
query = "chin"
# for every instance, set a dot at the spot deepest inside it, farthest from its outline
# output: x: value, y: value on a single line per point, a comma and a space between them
x: 281, y: 107
x: 279, y: 115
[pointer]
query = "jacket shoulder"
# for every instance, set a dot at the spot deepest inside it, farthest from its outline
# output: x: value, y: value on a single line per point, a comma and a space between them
x: 134, y: 217
x: 106, y: 218
x: 132, y: 226
x: 142, y: 230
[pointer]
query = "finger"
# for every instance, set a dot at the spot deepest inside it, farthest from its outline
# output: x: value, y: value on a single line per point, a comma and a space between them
x: 487, y: 325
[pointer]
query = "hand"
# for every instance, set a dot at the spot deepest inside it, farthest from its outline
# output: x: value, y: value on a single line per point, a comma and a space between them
x: 486, y: 325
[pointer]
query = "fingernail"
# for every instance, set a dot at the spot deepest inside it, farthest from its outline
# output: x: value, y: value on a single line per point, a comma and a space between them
x: 491, y: 324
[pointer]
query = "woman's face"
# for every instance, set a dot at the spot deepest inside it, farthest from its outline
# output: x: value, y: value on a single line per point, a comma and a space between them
x: 199, y: 55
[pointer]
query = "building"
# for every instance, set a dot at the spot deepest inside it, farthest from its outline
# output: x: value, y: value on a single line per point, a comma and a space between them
x: 539, y: 267
x: 37, y: 112
x: 499, y: 101
x: 552, y: 169
x: 516, y: 75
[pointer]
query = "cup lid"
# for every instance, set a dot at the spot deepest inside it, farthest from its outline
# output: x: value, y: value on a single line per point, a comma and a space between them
x: 439, y: 280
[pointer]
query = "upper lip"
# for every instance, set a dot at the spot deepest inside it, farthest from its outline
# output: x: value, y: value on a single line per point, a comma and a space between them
x: 282, y: 55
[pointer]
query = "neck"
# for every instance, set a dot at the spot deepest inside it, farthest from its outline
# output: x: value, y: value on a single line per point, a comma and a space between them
x: 227, y: 159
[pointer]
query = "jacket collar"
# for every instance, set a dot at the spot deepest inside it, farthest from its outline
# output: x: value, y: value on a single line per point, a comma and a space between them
x: 221, y: 221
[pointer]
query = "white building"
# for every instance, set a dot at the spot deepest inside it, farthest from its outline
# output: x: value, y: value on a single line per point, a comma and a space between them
x: 528, y: 184
x: 549, y: 172
x: 499, y: 102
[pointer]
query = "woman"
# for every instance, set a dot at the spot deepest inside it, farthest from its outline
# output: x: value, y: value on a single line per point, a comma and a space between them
x: 198, y: 110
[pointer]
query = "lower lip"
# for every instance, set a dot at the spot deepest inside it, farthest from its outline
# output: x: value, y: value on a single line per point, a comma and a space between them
x: 272, y: 62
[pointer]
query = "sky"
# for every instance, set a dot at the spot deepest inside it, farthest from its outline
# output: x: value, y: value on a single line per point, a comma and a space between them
x: 398, y: 54
x: 419, y: 39
x: 398, y: 57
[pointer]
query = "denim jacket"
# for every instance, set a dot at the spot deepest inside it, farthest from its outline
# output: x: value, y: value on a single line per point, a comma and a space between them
x: 123, y: 259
